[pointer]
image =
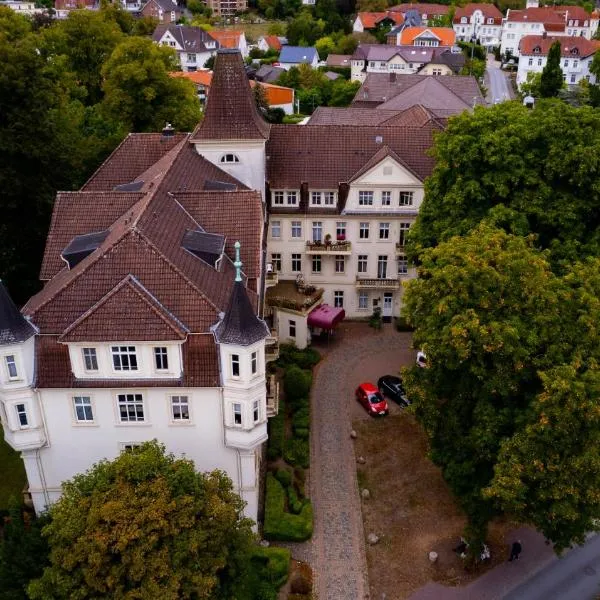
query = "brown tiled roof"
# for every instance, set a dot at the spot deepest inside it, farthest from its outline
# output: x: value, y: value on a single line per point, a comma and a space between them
x: 136, y: 153
x: 380, y: 88
x: 570, y: 46
x: 551, y: 19
x: 430, y: 10
x: 53, y: 367
x: 307, y: 154
x: 382, y: 153
x: 489, y: 11
x: 415, y: 116
x: 370, y: 20
x: 128, y: 312
x: 575, y: 13
x: 339, y: 60
x: 230, y: 116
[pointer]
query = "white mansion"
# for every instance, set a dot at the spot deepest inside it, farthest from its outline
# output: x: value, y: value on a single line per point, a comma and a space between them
x: 152, y: 322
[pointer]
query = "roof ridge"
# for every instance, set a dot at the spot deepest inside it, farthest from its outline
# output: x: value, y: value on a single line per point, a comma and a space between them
x: 142, y: 292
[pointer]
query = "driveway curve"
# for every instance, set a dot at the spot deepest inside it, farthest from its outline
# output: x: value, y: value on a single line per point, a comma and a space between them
x: 357, y: 354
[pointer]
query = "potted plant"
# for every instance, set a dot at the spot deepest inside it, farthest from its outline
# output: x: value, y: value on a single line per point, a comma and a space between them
x: 328, y: 239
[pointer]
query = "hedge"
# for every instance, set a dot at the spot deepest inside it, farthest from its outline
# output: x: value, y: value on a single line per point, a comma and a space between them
x: 273, y: 564
x: 277, y: 433
x: 280, y: 525
x: 290, y: 355
x: 297, y: 452
x: 297, y: 384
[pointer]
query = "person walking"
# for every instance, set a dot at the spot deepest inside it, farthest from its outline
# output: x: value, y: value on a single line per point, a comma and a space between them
x: 515, y: 550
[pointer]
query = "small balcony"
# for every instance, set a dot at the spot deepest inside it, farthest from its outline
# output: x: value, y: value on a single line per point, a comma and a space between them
x: 271, y: 278
x: 337, y: 248
x: 365, y: 283
x: 272, y: 396
x: 272, y: 347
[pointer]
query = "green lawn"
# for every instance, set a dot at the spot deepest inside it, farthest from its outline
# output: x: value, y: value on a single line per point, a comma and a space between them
x: 12, y: 473
x: 252, y: 30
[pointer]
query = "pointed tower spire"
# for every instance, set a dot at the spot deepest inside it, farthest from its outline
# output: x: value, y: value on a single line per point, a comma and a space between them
x: 231, y: 112
x: 240, y: 325
x: 14, y: 328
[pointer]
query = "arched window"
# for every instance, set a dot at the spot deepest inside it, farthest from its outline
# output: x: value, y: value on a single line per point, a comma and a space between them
x: 537, y: 50
x: 230, y: 158
x: 575, y: 51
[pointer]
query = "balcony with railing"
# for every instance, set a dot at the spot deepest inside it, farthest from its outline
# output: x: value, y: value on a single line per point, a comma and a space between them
x: 377, y: 283
x: 272, y: 396
x: 337, y: 248
x: 272, y: 347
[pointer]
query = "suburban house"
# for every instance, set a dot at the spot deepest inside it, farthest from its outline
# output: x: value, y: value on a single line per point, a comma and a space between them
x: 270, y: 42
x: 428, y: 13
x: 293, y: 56
x: 62, y: 8
x: 369, y: 21
x: 339, y: 60
x: 166, y: 11
x: 194, y: 46
x: 479, y: 22
x: 268, y: 73
x: 432, y: 37
x: 228, y: 38
x: 577, y: 54
x: 441, y: 96
x: 160, y: 294
x: 381, y: 58
x: 22, y: 7
x: 277, y: 96
x: 555, y: 21
x: 227, y: 8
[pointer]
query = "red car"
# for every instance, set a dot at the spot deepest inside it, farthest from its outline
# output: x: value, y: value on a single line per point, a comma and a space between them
x: 374, y: 403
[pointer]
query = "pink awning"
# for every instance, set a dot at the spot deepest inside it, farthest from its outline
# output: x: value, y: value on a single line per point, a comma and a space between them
x: 325, y: 316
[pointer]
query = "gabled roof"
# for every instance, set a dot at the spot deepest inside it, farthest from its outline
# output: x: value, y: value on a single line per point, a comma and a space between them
x: 231, y: 112
x: 339, y: 60
x: 298, y: 55
x: 14, y: 328
x: 431, y: 10
x: 191, y: 39
x: 370, y: 20
x: 551, y: 19
x: 489, y: 11
x: 570, y: 46
x: 445, y: 35
x: 228, y: 38
x: 240, y: 325
x: 383, y: 153
x: 269, y: 73
x: 128, y: 312
x: 379, y: 89
x: 273, y: 42
x: 166, y: 5
x: 415, y: 116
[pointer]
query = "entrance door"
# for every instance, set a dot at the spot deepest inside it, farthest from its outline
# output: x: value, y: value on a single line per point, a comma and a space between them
x: 387, y: 304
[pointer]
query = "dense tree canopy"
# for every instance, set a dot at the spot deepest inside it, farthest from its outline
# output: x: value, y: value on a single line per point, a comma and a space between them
x: 551, y: 81
x: 145, y: 525
x: 529, y: 171
x: 510, y: 398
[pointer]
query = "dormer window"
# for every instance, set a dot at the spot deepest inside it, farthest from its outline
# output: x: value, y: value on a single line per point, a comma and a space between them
x: 11, y: 366
x: 161, y: 360
x: 230, y: 158
x: 124, y: 358
x: 90, y: 360
x: 490, y: 21
x: 537, y: 50
x: 463, y: 19
x: 575, y: 51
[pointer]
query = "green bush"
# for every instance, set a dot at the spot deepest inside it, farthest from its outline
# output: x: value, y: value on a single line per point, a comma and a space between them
x: 299, y: 481
x: 302, y: 433
x: 402, y: 325
x: 272, y: 564
x: 276, y: 433
x: 290, y: 355
x: 297, y: 384
x: 301, y: 418
x: 297, y: 453
x: 295, y: 504
x: 284, y: 477
x: 280, y: 525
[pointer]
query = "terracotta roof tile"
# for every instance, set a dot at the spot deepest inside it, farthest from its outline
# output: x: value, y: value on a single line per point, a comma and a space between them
x: 446, y: 35
x: 489, y: 11
x: 273, y: 42
x: 370, y: 20
x: 128, y: 312
x: 569, y: 46
x: 431, y: 10
x: 415, y: 116
x: 227, y: 38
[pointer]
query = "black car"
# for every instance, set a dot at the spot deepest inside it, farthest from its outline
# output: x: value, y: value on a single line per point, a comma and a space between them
x: 391, y: 386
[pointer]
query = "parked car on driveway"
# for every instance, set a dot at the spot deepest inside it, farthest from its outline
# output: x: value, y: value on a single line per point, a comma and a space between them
x: 373, y: 402
x: 391, y: 386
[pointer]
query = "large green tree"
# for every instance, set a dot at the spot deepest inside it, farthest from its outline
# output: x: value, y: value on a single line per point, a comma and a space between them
x: 504, y: 337
x: 552, y: 81
x: 145, y: 525
x: 529, y: 171
x: 139, y: 91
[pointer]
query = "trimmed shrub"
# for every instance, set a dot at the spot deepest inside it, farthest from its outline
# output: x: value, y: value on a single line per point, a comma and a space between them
x: 302, y: 433
x: 301, y: 418
x: 294, y: 503
x: 280, y: 525
x: 276, y: 427
x: 297, y: 453
x: 273, y: 564
x: 297, y: 384
x: 290, y: 355
x: 284, y: 477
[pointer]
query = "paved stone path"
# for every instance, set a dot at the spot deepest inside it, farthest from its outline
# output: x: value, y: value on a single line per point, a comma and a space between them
x: 338, y: 545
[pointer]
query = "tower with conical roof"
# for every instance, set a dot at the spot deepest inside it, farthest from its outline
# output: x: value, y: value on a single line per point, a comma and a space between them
x: 232, y: 134
x: 20, y: 413
x: 241, y: 337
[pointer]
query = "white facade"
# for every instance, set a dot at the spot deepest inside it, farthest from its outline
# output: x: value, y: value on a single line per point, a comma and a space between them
x: 413, y: 62
x: 574, y: 68
x: 369, y: 271
x: 479, y: 27
x: 24, y: 8
x: 189, y: 61
x: 513, y: 31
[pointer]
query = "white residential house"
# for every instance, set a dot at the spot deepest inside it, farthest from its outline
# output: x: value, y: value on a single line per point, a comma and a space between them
x: 480, y: 22
x: 194, y: 46
x: 293, y: 56
x: 577, y: 54
x: 22, y: 7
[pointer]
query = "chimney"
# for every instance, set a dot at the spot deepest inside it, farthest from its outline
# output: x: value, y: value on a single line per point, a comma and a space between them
x: 168, y: 131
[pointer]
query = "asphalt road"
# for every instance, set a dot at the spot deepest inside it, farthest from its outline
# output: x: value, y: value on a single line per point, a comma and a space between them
x: 576, y: 576
x: 497, y: 83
